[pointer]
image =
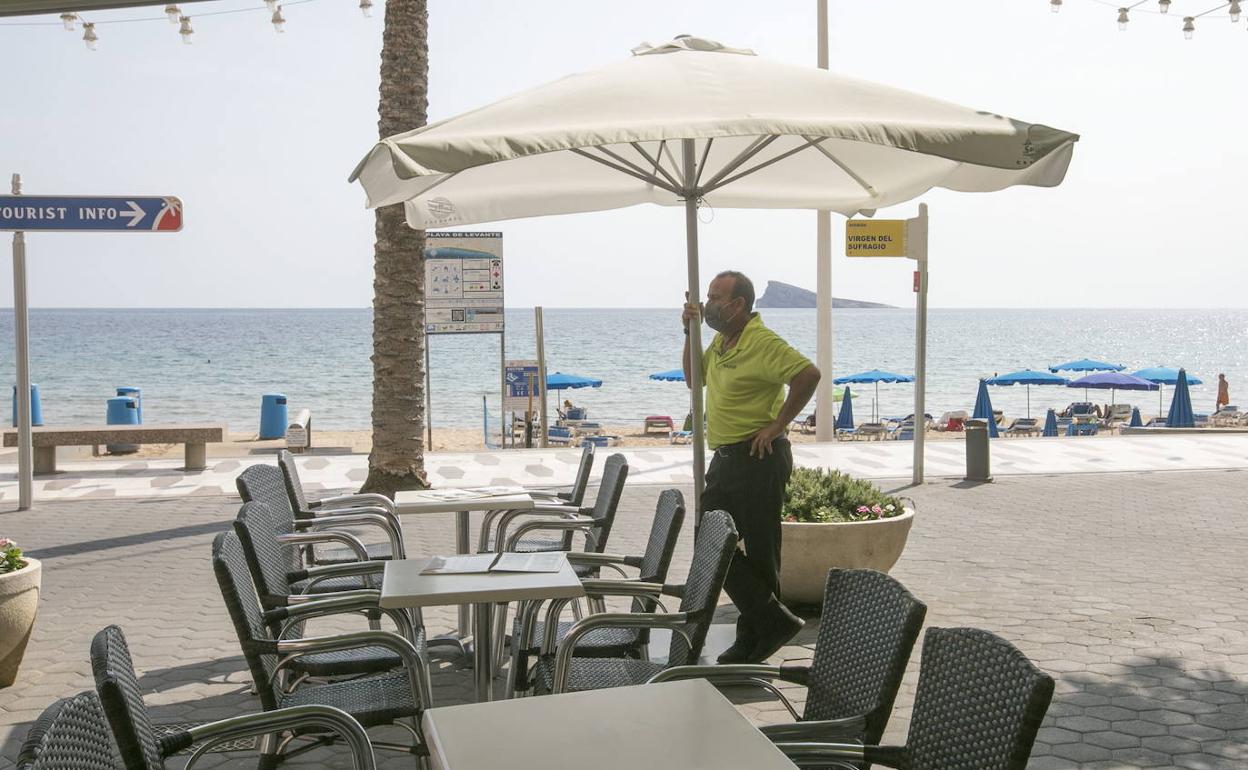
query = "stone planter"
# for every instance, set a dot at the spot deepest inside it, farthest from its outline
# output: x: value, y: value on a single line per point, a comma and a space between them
x: 808, y: 551
x: 19, y: 599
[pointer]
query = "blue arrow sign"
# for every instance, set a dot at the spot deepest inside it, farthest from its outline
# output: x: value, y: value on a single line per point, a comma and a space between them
x: 74, y: 214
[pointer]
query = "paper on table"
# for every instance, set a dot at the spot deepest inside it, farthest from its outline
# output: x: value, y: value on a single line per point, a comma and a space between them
x: 528, y: 562
x: 452, y: 494
x: 460, y: 565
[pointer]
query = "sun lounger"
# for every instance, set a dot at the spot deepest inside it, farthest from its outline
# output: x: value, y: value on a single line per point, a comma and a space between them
x: 560, y: 435
x: 951, y: 421
x: 662, y: 422
x: 600, y: 440
x: 1023, y: 426
x: 1156, y: 422
x: 681, y: 436
x: 806, y: 424
x: 873, y: 430
x: 1227, y: 416
x: 577, y: 413
x: 1083, y: 428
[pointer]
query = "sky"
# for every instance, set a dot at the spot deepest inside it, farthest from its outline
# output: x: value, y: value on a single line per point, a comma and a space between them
x: 257, y: 132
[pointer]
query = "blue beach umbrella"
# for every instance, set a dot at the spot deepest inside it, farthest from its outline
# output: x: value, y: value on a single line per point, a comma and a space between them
x: 1180, y: 415
x: 671, y: 375
x: 1111, y: 381
x: 845, y: 420
x: 1027, y: 377
x: 872, y: 376
x: 561, y: 381
x: 1164, y: 375
x: 983, y: 409
x: 1050, y: 424
x: 1087, y: 365
x: 1136, y: 420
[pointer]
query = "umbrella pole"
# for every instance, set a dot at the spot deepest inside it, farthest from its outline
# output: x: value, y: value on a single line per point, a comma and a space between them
x: 1028, y: 401
x: 695, y: 330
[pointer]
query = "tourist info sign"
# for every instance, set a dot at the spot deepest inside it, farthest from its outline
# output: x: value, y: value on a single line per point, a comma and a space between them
x: 521, y: 383
x: 131, y: 214
x: 875, y: 238
x: 463, y: 282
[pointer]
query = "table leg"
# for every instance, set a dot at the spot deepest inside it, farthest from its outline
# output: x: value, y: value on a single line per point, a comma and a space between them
x: 483, y: 665
x: 462, y: 522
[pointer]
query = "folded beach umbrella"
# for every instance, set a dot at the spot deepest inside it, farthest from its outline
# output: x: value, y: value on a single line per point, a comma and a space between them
x: 1087, y: 365
x: 1111, y: 381
x: 694, y: 123
x: 1180, y: 415
x: 983, y: 409
x: 1050, y: 424
x: 1164, y: 375
x: 671, y: 375
x: 1027, y: 377
x: 845, y: 420
x: 1136, y: 420
x: 873, y: 376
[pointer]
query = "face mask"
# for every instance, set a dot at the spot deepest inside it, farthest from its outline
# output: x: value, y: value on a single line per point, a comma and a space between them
x: 715, y: 318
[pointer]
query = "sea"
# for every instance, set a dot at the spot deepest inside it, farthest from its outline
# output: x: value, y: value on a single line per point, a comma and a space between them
x: 199, y: 365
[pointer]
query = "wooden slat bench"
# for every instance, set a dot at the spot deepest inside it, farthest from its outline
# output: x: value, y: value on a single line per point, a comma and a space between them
x: 47, y: 439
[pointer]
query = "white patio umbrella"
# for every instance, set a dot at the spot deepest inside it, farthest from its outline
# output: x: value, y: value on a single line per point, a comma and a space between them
x: 692, y: 122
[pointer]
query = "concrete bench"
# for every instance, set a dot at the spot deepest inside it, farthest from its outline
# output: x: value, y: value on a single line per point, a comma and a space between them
x: 47, y: 439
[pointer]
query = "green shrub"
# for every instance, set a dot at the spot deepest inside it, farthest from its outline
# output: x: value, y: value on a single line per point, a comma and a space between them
x: 10, y: 556
x: 815, y: 495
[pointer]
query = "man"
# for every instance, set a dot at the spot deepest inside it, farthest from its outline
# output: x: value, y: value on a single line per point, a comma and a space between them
x: 745, y: 370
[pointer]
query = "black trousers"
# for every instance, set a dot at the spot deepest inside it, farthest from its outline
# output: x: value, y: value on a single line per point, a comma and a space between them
x: 751, y: 490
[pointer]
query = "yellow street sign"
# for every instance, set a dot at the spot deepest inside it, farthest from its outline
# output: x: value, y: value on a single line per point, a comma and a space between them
x: 875, y: 238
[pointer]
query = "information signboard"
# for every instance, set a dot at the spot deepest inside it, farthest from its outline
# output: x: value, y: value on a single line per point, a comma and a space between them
x: 518, y: 379
x: 875, y: 238
x: 463, y: 282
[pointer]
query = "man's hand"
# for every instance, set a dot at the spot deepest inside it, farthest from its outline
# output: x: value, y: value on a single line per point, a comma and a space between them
x: 760, y: 445
x: 693, y: 312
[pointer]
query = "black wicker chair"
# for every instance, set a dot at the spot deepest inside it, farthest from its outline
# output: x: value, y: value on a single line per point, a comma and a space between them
x: 71, y: 734
x: 549, y: 503
x: 267, y: 484
x: 397, y: 697
x: 259, y: 529
x: 558, y: 670
x: 867, y: 631
x: 142, y: 748
x: 979, y: 704
x: 652, y: 566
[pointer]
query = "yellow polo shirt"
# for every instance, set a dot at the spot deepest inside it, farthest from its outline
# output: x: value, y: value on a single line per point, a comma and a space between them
x: 745, y: 385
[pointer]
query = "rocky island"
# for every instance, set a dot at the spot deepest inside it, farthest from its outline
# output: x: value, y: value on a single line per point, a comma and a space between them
x: 780, y: 294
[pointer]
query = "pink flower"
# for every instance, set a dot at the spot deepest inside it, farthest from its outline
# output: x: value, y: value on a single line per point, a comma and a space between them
x: 863, y: 509
x: 877, y: 510
x: 5, y: 542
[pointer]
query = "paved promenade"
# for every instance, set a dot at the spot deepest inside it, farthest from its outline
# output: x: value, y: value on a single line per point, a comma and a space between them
x: 1128, y: 588
x: 106, y: 479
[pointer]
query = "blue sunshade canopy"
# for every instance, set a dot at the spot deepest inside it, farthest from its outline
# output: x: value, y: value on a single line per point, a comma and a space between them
x: 1165, y: 375
x: 1112, y: 381
x: 1027, y: 377
x: 671, y: 375
x: 1050, y: 424
x: 561, y: 381
x: 1180, y: 414
x: 845, y: 420
x: 1087, y: 365
x: 874, y: 375
x: 983, y: 409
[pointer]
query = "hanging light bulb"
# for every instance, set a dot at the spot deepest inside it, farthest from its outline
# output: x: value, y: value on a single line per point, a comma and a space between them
x: 174, y: 13
x: 185, y: 29
x: 88, y: 35
x: 1055, y: 5
x: 366, y: 8
x: 68, y: 20
x: 1189, y: 26
x: 279, y: 21
x: 1235, y: 10
x: 271, y: 5
x: 1123, y: 19
x: 1164, y: 5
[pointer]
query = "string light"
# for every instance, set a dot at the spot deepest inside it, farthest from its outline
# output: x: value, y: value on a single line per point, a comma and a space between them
x: 1123, y: 19
x: 1235, y: 11
x: 1232, y: 7
x: 185, y: 30
x: 68, y: 20
x: 271, y: 5
x: 1189, y: 26
x: 88, y: 35
x: 279, y: 21
x: 1164, y: 5
x: 1055, y: 5
x: 366, y: 8
x: 174, y: 13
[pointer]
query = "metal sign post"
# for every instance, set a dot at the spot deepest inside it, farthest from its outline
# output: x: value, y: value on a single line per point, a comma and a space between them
x: 902, y: 238
x: 21, y: 213
x: 541, y: 372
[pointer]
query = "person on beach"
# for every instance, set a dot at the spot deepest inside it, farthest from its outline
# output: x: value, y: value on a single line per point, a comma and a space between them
x: 1224, y: 392
x: 745, y: 370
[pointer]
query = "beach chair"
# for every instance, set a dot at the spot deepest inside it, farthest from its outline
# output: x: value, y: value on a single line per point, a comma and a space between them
x: 846, y: 434
x: 951, y: 421
x: 601, y: 439
x: 585, y: 428
x: 873, y: 430
x: 577, y: 413
x: 559, y: 435
x: 681, y: 436
x: 1227, y: 416
x: 1156, y: 422
x: 1023, y: 426
x: 806, y: 424
x: 661, y: 422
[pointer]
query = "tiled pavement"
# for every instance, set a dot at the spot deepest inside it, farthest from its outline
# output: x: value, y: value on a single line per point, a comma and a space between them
x: 103, y: 479
x: 1128, y: 588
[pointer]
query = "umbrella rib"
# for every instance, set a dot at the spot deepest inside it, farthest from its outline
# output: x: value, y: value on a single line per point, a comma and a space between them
x: 764, y: 164
x: 850, y: 172
x: 755, y: 147
x: 624, y: 170
x: 706, y: 151
x: 654, y: 162
x: 676, y: 169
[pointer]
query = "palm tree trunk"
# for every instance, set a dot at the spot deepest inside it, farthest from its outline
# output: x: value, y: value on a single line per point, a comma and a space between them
x: 398, y: 457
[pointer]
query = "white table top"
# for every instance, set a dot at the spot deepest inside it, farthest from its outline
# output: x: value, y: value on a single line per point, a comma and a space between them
x: 450, y: 501
x: 686, y: 725
x: 402, y: 585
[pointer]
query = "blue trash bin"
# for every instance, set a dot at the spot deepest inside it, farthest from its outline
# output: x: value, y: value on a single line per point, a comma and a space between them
x: 122, y: 410
x: 36, y: 408
x: 137, y: 395
x: 273, y: 416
